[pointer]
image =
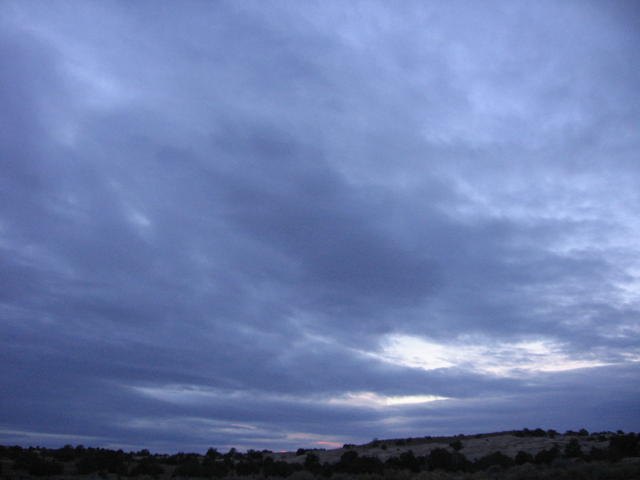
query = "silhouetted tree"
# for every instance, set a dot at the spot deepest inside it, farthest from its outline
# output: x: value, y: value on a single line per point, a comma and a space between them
x: 212, y: 453
x: 64, y: 454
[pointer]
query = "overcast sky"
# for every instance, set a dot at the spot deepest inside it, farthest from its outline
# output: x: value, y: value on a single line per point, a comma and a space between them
x: 299, y: 223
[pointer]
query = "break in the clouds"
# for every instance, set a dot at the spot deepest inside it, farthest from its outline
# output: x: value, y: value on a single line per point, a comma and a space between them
x: 283, y: 224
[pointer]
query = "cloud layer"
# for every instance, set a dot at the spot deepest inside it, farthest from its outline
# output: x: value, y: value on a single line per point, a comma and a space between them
x: 272, y: 224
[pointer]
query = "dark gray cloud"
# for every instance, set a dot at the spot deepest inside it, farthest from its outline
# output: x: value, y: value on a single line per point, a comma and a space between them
x: 231, y: 224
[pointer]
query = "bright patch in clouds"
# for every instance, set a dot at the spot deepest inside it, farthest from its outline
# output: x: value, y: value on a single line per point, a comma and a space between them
x: 371, y: 399
x: 501, y: 359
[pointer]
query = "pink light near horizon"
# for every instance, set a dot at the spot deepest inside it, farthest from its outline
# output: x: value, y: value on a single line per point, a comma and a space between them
x: 328, y: 444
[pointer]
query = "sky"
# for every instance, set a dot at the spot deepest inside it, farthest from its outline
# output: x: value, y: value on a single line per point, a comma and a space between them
x: 282, y: 224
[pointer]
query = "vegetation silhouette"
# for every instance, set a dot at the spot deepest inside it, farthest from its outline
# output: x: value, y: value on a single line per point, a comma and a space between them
x: 612, y: 454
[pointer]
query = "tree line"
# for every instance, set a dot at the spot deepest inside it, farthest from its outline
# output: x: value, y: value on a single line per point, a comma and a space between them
x: 82, y: 460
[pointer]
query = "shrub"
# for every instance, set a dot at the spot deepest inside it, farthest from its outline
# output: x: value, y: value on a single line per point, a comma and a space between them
x: 64, y: 454
x: 97, y: 460
x: 546, y: 456
x: 312, y: 463
x: 190, y: 468
x: 278, y: 469
x: 254, y: 455
x: 440, y: 458
x: 496, y: 458
x: 215, y: 468
x: 597, y: 454
x: 302, y: 475
x: 523, y: 457
x: 147, y: 466
x: 456, y: 445
x: 35, y: 465
x: 573, y: 449
x: 621, y: 446
x: 409, y: 461
x: 13, y: 452
x: 247, y: 468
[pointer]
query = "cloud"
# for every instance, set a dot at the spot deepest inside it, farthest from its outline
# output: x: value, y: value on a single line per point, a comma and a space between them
x: 326, y: 224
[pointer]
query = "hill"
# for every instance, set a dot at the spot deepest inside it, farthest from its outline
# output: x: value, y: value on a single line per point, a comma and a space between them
x: 524, y: 454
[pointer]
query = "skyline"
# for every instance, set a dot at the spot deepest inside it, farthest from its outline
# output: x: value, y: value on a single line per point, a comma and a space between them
x: 274, y: 225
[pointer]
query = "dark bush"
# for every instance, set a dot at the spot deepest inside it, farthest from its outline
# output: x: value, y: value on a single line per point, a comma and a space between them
x: 214, y: 467
x: 348, y: 457
x: 147, y: 466
x: 362, y: 465
x: 573, y: 449
x: 523, y: 457
x: 100, y: 460
x: 440, y: 458
x: 597, y: 454
x: 46, y: 468
x: 347, y: 462
x: 460, y: 463
x: 456, y: 445
x: 546, y: 456
x: 621, y: 446
x: 277, y: 469
x: 34, y: 464
x: 212, y: 453
x: 496, y: 458
x: 247, y: 468
x: 190, y: 468
x: 254, y: 455
x: 64, y: 454
x: 13, y: 452
x: 406, y: 461
x: 312, y: 463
